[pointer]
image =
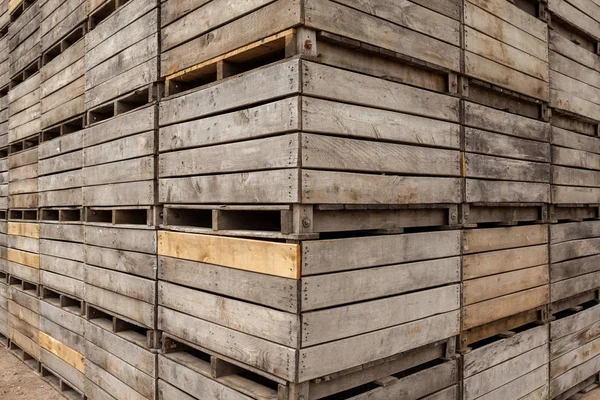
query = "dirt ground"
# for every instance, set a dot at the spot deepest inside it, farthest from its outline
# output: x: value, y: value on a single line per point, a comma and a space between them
x: 18, y: 382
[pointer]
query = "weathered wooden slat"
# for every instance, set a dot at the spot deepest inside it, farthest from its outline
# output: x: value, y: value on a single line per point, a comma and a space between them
x: 483, y: 358
x: 271, y: 258
x: 327, y: 290
x: 500, y: 307
x: 272, y: 291
x: 268, y: 356
x: 342, y: 322
x: 326, y: 256
x: 479, y: 240
x: 502, y: 374
x: 318, y: 361
x: 280, y: 327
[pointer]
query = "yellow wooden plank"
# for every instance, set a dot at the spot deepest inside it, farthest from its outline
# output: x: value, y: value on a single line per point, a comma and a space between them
x: 272, y: 258
x: 24, y: 258
x: 13, y: 4
x: 65, y: 353
x: 24, y: 229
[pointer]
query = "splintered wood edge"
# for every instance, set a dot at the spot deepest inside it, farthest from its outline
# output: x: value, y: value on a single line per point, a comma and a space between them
x: 282, y: 259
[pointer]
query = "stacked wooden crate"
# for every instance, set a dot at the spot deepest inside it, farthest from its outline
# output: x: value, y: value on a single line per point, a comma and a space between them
x: 4, y: 84
x: 575, y: 233
x: 575, y: 98
x: 62, y: 85
x: 119, y: 186
x: 60, y: 155
x: 283, y: 232
x: 24, y: 128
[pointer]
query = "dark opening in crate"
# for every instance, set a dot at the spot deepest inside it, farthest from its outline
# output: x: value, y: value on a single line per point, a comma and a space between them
x: 65, y: 388
x: 64, y: 128
x: 129, y: 331
x: 104, y: 11
x: 63, y: 44
x: 21, y: 354
x: 250, y: 57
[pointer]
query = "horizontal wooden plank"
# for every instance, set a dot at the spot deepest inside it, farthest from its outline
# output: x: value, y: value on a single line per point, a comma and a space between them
x: 485, y: 357
x: 379, y: 32
x: 482, y: 191
x: 65, y: 353
x: 505, y: 306
x: 271, y: 258
x: 268, y: 290
x: 502, y: 374
x: 327, y: 290
x: 280, y: 327
x: 278, y: 186
x: 326, y: 256
x: 490, y: 287
x: 346, y: 321
x: 318, y: 361
x: 500, y: 261
x: 487, y: 239
x: 268, y: 356
x: 330, y: 187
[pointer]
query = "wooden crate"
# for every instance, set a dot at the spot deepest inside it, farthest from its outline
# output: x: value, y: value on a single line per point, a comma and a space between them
x: 24, y: 325
x: 575, y: 162
x: 119, y: 165
x: 514, y: 367
x: 505, y: 279
x: 62, y: 87
x: 354, y: 270
x: 60, y: 183
x: 244, y: 179
x: 187, y: 45
x: 119, y: 273
x: 574, y: 255
x: 121, y: 52
x: 116, y: 367
x: 62, y: 265
x: 25, y: 42
x: 23, y: 256
x: 574, y: 351
x: 507, y: 47
x: 63, y: 345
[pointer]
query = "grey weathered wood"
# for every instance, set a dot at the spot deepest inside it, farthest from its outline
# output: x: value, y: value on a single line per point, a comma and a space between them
x: 502, y: 374
x: 125, y: 284
x: 341, y: 322
x: 62, y: 333
x: 109, y: 383
x: 133, y: 309
x: 271, y: 291
x: 121, y: 239
x: 126, y: 373
x: 268, y: 356
x: 129, y: 352
x: 63, y: 369
x: 355, y: 253
x: 280, y: 327
x: 121, y: 260
x: 326, y: 290
x: 324, y: 359
x: 191, y: 381
x: 138, y: 121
